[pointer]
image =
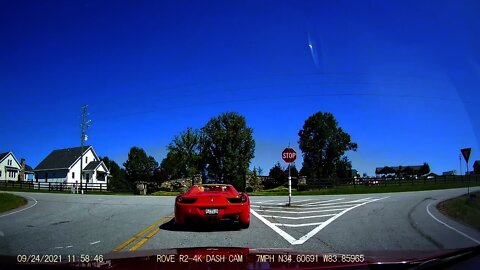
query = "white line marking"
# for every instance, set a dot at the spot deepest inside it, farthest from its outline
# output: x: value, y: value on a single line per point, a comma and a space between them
x: 94, y: 243
x: 347, y: 202
x: 326, y: 205
x: 448, y: 226
x: 284, y: 203
x: 268, y: 201
x: 305, y: 217
x: 283, y: 234
x: 58, y: 247
x: 304, y: 238
x: 303, y: 200
x: 302, y: 212
x: 318, y: 202
x: 297, y: 225
x: 11, y: 213
x: 68, y: 246
x: 305, y: 208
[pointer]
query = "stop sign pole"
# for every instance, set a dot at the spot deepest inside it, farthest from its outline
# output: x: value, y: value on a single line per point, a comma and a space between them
x: 289, y: 155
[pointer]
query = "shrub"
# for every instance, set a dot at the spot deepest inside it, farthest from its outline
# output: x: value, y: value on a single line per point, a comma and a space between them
x: 302, y: 187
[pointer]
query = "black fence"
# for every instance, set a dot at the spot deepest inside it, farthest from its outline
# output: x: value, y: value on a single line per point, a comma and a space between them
x: 51, y: 186
x: 393, y: 181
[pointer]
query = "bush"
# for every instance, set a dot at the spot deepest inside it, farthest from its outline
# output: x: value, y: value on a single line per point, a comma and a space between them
x: 249, y: 189
x: 302, y: 187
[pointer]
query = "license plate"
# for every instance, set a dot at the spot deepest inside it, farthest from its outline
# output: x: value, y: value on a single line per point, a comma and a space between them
x: 211, y: 211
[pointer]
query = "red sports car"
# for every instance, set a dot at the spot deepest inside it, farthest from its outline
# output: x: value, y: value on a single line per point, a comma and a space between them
x: 212, y: 202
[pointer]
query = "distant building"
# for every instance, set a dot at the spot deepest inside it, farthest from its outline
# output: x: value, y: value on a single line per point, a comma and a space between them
x: 63, y: 166
x: 476, y: 167
x: 12, y: 170
x: 398, y: 170
x: 454, y: 172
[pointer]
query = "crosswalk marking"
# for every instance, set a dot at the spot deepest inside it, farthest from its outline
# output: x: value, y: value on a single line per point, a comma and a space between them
x: 297, y: 225
x: 301, y: 212
x: 303, y: 217
x: 333, y: 209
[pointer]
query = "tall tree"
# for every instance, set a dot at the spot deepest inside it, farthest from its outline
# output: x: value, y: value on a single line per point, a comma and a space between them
x: 278, y: 176
x: 293, y: 170
x: 171, y: 164
x: 424, y: 169
x: 118, y: 177
x: 186, y: 149
x: 227, y: 148
x: 323, y: 144
x: 139, y: 166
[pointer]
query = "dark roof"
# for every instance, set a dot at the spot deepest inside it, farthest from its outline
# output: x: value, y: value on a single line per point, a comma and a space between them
x: 476, y: 162
x: 92, y: 165
x: 28, y: 168
x: 61, y: 158
x: 2, y: 155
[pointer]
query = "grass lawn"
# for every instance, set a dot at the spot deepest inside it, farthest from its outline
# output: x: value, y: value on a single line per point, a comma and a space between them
x: 10, y: 201
x: 282, y: 191
x: 459, y: 209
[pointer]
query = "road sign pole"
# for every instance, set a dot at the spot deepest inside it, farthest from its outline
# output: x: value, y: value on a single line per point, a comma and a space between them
x: 289, y: 186
x: 289, y: 155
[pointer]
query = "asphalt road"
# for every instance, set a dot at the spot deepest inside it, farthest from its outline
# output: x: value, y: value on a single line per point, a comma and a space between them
x: 102, y: 224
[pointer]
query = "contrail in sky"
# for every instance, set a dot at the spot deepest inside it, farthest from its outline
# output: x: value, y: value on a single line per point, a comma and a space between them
x: 313, y: 51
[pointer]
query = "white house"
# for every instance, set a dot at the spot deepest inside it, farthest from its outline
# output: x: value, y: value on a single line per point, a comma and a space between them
x: 12, y: 170
x: 63, y: 166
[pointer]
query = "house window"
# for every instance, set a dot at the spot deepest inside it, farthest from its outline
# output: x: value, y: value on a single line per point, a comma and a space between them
x: 0, y: 173
x: 86, y: 161
x: 88, y: 177
x: 9, y: 162
x: 73, y: 175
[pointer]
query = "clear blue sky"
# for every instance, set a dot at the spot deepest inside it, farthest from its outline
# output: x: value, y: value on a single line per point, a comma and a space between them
x: 402, y: 77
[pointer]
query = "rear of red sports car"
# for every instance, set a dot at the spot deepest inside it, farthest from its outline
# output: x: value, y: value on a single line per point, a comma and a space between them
x: 212, y: 203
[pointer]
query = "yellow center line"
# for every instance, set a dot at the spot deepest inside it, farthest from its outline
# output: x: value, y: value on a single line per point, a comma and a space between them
x: 155, y: 225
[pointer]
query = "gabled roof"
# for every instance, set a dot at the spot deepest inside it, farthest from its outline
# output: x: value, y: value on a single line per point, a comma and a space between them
x: 28, y: 168
x: 4, y: 155
x: 61, y: 158
x: 92, y: 165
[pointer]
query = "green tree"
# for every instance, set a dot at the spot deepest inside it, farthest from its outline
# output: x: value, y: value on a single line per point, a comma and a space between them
x: 424, y: 169
x: 139, y: 166
x: 227, y: 148
x: 344, y: 168
x: 293, y: 170
x: 118, y: 177
x: 185, y: 148
x: 323, y: 144
x: 172, y: 165
x: 278, y: 176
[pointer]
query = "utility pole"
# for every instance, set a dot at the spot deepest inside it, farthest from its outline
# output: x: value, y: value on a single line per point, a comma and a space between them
x: 85, y: 125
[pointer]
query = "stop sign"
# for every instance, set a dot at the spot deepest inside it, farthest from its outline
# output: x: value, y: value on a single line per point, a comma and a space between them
x: 289, y: 155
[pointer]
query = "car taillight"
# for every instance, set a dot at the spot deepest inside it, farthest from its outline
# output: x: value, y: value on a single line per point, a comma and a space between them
x: 183, y: 200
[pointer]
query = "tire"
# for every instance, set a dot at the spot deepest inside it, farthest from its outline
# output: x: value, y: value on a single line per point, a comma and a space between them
x: 244, y: 225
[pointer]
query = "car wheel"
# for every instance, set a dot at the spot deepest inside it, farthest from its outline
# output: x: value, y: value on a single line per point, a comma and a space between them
x: 244, y: 225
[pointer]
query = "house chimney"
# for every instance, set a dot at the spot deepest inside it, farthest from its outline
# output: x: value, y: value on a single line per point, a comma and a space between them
x: 21, y: 175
